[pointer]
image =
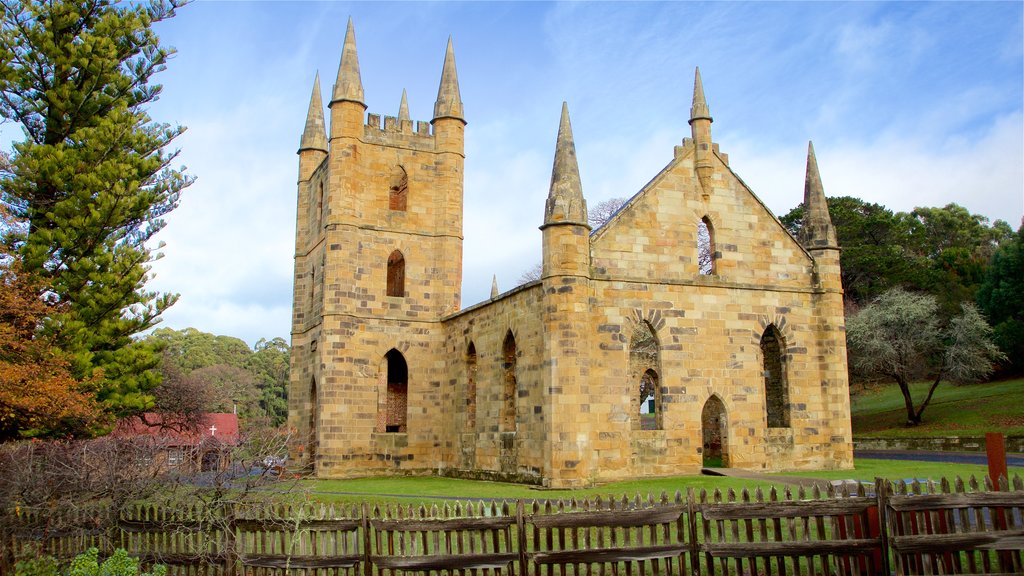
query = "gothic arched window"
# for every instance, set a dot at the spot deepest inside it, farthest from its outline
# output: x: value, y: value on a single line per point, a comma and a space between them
x: 776, y: 389
x: 396, y: 274
x: 398, y: 191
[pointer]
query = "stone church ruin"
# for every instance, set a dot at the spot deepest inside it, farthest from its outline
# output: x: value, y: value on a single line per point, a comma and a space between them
x: 642, y: 350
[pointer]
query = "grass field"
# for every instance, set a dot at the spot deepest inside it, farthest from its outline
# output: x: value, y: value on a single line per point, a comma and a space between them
x: 955, y: 410
x: 434, y: 490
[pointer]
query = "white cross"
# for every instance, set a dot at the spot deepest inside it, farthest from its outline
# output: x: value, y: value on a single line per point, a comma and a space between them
x: 213, y: 430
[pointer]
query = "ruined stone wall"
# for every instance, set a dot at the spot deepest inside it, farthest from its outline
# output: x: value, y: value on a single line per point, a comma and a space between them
x: 485, y: 450
x: 709, y: 330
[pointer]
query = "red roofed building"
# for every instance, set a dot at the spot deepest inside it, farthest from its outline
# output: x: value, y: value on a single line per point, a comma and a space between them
x: 197, y: 449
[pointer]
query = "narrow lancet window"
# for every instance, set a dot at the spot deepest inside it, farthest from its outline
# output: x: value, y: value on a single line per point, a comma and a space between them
x: 319, y: 216
x: 399, y: 189
x: 705, y: 247
x: 396, y: 274
x: 508, y: 404
x: 396, y: 404
x: 471, y: 388
x: 776, y: 389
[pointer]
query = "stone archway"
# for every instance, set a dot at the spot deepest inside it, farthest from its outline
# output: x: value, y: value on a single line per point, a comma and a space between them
x: 714, y: 432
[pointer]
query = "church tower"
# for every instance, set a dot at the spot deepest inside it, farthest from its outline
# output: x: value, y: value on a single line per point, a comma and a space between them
x: 378, y: 264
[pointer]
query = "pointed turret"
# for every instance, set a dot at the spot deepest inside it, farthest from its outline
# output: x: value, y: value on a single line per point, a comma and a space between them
x: 314, y: 136
x: 403, y: 108
x: 699, y: 110
x: 494, y: 287
x: 700, y: 128
x: 349, y: 85
x: 449, y: 100
x: 565, y: 198
x: 817, y: 230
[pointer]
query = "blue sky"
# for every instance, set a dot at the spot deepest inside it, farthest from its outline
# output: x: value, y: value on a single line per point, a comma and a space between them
x: 908, y: 104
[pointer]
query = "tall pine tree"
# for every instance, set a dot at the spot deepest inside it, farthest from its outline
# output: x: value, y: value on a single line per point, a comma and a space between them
x: 92, y: 178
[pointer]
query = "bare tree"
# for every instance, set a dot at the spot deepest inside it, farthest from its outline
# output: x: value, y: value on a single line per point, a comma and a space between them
x: 532, y: 273
x: 599, y: 214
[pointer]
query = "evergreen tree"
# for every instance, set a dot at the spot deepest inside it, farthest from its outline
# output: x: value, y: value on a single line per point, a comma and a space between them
x: 1001, y: 297
x: 92, y: 178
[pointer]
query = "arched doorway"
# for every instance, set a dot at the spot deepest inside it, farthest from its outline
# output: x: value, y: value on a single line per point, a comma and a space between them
x: 714, y: 430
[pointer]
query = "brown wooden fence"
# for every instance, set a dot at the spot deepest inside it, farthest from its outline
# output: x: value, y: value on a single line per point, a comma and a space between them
x: 932, y: 528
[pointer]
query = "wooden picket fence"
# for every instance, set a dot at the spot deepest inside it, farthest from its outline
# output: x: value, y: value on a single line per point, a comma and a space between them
x: 929, y: 528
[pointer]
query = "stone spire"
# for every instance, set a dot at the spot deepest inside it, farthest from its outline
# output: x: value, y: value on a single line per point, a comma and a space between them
x: 700, y: 129
x: 449, y: 100
x: 494, y: 286
x: 817, y: 230
x: 349, y: 85
x: 565, y: 199
x: 403, y: 108
x: 699, y: 110
x: 314, y: 136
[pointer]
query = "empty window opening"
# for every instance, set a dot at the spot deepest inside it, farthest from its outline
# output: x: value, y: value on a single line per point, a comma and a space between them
x: 312, y: 284
x: 399, y: 189
x: 396, y: 274
x: 648, y: 402
x: 311, y: 440
x: 320, y: 205
x: 396, y: 405
x: 714, y: 429
x: 705, y: 247
x: 471, y: 388
x: 508, y: 405
x: 776, y: 389
x: 644, y: 360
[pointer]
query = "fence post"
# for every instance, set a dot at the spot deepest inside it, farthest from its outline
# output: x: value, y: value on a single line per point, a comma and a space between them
x: 230, y: 546
x: 521, y: 528
x: 995, y: 450
x: 882, y: 496
x: 691, y: 524
x: 365, y: 508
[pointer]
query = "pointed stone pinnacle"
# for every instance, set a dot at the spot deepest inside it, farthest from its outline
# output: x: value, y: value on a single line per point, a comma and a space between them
x: 403, y: 108
x: 449, y: 100
x: 494, y: 286
x: 349, y: 85
x: 565, y: 197
x: 817, y: 229
x: 699, y: 110
x: 314, y: 136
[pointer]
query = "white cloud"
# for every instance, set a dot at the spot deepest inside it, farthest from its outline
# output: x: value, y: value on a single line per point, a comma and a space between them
x: 901, y: 172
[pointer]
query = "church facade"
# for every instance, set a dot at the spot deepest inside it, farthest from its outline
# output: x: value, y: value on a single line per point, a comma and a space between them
x: 690, y: 329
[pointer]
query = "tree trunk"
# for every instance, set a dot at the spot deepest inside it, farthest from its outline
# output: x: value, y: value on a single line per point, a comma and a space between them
x: 912, y: 417
x: 935, y: 384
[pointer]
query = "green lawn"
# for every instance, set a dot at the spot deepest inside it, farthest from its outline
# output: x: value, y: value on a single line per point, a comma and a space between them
x: 432, y: 489
x: 955, y: 410
x: 435, y: 490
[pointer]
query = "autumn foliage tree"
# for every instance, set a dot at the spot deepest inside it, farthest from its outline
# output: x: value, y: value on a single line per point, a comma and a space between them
x: 38, y: 394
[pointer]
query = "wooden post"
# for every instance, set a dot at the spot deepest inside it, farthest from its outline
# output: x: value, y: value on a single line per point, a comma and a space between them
x: 228, y: 515
x: 367, y: 566
x: 882, y: 495
x: 995, y: 449
x: 691, y: 523
x: 521, y: 535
